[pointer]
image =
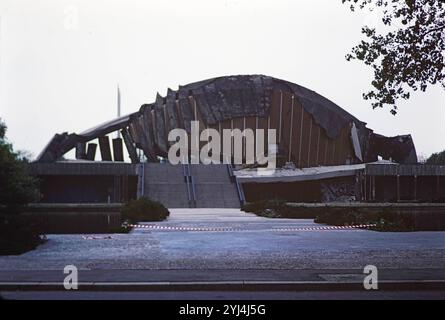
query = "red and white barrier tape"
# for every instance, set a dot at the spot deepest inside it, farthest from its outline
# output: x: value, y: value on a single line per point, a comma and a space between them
x: 153, y: 227
x: 324, y: 228
x: 357, y: 226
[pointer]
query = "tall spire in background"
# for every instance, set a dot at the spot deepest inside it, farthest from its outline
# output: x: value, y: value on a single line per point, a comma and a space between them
x: 118, y: 107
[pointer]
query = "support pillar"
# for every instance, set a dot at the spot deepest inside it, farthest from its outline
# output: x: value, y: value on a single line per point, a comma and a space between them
x: 130, y: 146
x: 105, y: 150
x: 118, y: 151
x: 81, y: 151
x: 91, y: 151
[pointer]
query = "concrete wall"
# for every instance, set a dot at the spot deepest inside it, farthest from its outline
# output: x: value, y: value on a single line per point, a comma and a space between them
x: 87, y: 189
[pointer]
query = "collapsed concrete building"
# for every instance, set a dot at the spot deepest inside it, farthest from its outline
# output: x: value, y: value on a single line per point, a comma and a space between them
x: 323, y: 150
x: 312, y: 130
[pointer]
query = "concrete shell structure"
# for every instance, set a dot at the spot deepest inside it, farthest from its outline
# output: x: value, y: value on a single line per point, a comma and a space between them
x: 311, y: 130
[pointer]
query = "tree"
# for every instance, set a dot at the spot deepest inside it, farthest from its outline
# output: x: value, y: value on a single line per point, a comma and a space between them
x: 17, y: 188
x: 436, y: 158
x: 409, y: 57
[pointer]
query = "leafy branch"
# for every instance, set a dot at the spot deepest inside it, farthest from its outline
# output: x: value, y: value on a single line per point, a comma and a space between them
x: 408, y: 58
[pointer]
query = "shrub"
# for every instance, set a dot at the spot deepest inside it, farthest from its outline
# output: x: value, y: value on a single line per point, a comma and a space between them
x: 436, y: 158
x: 144, y: 209
x: 384, y: 220
x: 277, y: 209
x: 124, y: 228
x: 18, y: 235
x: 17, y: 189
x: 265, y: 208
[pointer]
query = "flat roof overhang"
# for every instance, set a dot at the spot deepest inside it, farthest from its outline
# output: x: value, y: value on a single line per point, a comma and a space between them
x: 295, y: 175
x: 82, y: 168
x: 379, y: 168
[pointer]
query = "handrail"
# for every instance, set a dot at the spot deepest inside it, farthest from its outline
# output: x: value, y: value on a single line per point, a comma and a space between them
x: 189, y: 195
x: 143, y: 180
x: 243, y: 197
x: 239, y: 189
x: 229, y: 168
x: 192, y: 180
x: 184, y: 173
x: 186, y: 178
x: 242, y: 200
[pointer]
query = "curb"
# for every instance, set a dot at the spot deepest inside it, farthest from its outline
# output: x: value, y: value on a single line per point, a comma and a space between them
x: 384, y: 285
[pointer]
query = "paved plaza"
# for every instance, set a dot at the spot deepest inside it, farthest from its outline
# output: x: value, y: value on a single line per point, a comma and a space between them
x: 251, y: 245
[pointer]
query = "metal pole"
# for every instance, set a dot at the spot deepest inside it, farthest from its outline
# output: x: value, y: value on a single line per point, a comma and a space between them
x: 364, y: 187
x: 143, y: 180
x: 118, y: 107
x: 415, y: 188
x: 291, y: 128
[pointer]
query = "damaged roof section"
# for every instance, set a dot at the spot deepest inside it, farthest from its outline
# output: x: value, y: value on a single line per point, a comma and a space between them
x: 254, y: 98
x: 400, y: 149
x: 64, y: 142
x: 223, y: 98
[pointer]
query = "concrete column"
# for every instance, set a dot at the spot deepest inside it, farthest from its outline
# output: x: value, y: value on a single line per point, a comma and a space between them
x: 291, y: 128
x: 91, y: 151
x: 415, y: 188
x: 130, y: 146
x: 81, y: 151
x: 105, y: 150
x: 118, y: 151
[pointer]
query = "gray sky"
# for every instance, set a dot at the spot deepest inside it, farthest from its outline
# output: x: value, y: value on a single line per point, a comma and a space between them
x: 60, y: 61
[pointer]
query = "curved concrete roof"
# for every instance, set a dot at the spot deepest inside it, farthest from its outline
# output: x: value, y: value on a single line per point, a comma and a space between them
x: 218, y: 99
x: 229, y: 97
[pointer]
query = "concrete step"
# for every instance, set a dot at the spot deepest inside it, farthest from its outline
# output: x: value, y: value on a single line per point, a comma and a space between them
x: 165, y: 183
x: 216, y: 195
x: 171, y: 195
x: 160, y: 172
x: 210, y: 173
x: 213, y: 187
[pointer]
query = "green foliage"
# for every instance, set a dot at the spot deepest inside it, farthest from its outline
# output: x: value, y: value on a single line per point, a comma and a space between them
x: 277, y: 209
x: 437, y: 158
x: 258, y: 206
x: 144, y: 209
x: 17, y: 188
x: 18, y: 235
x: 384, y: 220
x: 408, y: 57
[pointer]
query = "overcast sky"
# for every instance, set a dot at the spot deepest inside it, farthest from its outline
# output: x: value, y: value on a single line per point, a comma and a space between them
x: 60, y: 61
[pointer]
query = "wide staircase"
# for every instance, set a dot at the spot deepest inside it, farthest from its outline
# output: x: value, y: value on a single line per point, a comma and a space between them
x: 191, y: 186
